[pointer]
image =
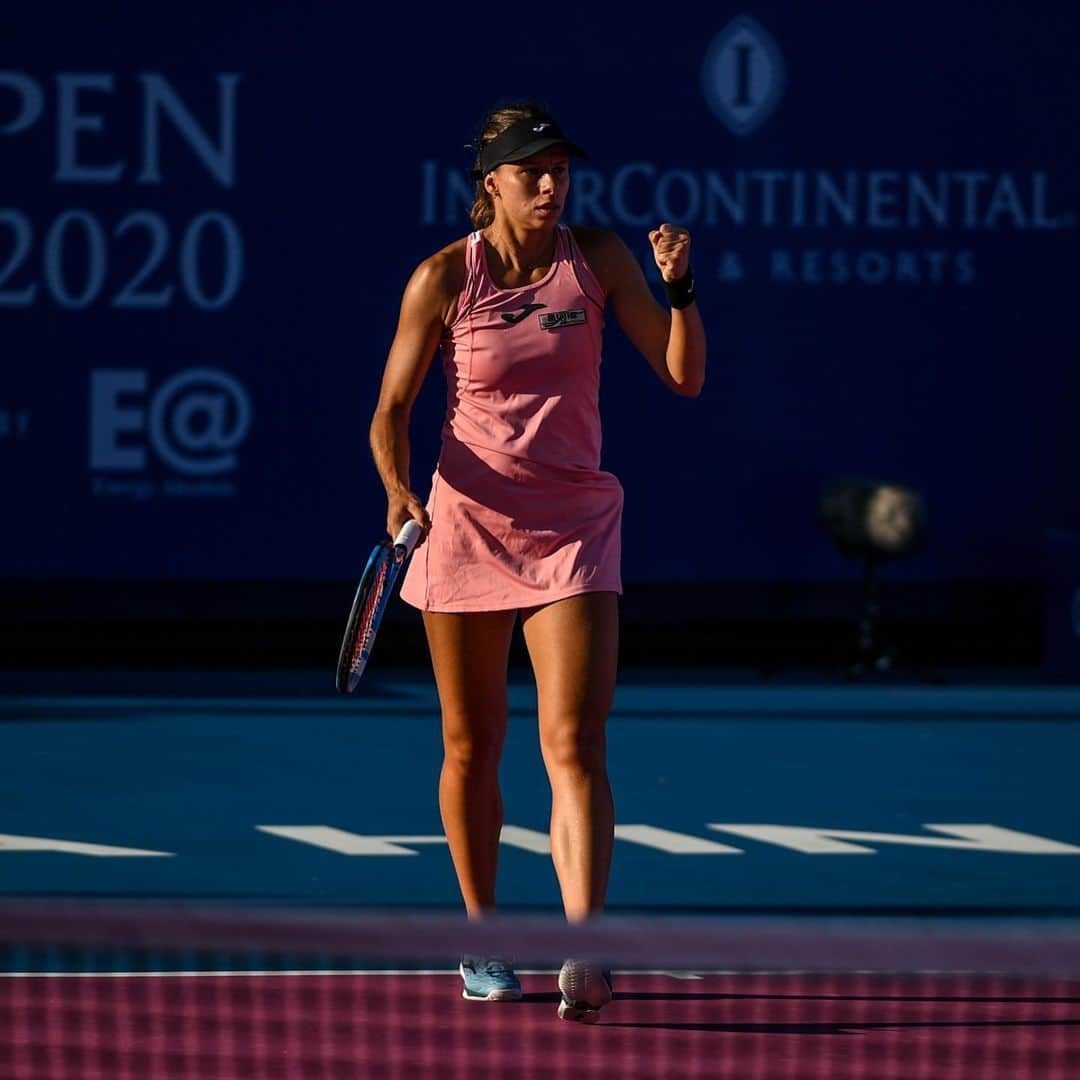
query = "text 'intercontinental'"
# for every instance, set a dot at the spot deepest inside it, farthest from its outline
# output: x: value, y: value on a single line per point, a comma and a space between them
x: 925, y: 207
x: 639, y: 194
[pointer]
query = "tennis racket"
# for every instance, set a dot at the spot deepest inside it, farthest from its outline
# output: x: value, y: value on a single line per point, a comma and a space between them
x: 372, y: 596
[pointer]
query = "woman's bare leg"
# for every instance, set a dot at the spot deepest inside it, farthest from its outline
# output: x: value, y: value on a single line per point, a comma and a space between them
x: 470, y: 653
x: 573, y: 645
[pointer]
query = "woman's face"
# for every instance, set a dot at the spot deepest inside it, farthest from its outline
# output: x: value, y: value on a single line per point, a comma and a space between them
x: 532, y: 192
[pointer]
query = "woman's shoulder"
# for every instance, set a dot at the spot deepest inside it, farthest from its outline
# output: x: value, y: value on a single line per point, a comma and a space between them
x: 442, y: 274
x: 446, y: 266
x: 604, y: 251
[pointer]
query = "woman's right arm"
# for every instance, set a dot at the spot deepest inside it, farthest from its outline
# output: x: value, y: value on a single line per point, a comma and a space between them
x: 424, y: 310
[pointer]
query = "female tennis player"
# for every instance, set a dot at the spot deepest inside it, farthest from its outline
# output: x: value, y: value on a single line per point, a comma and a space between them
x: 520, y: 520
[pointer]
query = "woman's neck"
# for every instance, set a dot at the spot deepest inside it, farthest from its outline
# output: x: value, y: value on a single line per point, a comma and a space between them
x: 521, y: 251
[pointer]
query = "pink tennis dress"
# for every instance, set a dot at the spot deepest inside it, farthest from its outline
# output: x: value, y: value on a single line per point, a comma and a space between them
x: 520, y: 512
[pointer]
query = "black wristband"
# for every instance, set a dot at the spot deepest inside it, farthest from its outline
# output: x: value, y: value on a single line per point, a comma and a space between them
x: 681, y: 293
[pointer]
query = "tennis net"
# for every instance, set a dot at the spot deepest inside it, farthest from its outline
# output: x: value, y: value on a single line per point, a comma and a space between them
x: 103, y: 991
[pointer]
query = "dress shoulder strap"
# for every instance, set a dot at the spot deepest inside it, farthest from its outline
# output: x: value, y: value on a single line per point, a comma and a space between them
x: 474, y: 274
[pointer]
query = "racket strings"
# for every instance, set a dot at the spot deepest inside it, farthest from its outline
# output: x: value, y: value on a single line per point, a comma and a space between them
x: 367, y: 616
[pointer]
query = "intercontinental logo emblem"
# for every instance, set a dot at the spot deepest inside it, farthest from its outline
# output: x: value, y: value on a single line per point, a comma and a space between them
x: 743, y: 75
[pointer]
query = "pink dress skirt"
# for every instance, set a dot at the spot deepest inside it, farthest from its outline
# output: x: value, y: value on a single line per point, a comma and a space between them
x: 510, y: 533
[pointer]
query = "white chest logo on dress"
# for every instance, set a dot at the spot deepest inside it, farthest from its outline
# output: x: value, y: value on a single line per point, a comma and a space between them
x: 552, y: 320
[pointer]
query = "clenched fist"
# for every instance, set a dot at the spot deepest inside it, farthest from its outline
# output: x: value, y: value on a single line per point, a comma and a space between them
x: 671, y: 250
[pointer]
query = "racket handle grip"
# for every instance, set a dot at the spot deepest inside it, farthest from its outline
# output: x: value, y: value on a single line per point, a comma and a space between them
x: 410, y: 533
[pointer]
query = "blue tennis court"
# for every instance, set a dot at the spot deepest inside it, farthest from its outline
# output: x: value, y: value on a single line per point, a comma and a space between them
x: 729, y: 794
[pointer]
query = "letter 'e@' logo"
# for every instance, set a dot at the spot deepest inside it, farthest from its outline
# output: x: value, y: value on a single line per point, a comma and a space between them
x: 743, y: 75
x: 195, y: 421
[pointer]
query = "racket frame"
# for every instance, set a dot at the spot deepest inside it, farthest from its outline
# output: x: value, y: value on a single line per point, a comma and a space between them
x: 358, y: 642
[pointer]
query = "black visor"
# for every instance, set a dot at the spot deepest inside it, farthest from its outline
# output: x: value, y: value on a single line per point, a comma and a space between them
x: 520, y: 140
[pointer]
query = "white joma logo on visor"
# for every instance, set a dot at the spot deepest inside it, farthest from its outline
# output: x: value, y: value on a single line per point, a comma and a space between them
x: 541, y: 127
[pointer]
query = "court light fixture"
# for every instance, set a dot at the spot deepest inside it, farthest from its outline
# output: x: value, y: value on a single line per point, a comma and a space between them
x: 875, y: 523
x: 872, y: 521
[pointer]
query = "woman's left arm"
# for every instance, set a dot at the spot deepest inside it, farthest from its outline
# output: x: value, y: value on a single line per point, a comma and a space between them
x: 673, y: 341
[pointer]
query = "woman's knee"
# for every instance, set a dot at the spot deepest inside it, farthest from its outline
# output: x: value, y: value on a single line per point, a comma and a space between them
x: 570, y: 745
x: 472, y: 747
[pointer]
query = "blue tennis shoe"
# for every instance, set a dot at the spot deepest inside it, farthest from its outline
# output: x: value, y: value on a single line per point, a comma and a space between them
x: 489, y: 978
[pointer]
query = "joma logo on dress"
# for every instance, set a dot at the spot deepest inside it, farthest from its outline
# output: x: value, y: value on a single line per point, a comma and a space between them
x: 550, y: 320
x: 516, y: 316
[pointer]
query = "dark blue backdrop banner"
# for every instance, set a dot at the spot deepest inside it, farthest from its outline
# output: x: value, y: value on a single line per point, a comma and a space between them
x: 206, y: 225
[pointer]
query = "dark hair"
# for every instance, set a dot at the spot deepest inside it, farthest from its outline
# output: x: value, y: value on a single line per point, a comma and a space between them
x: 482, y: 213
